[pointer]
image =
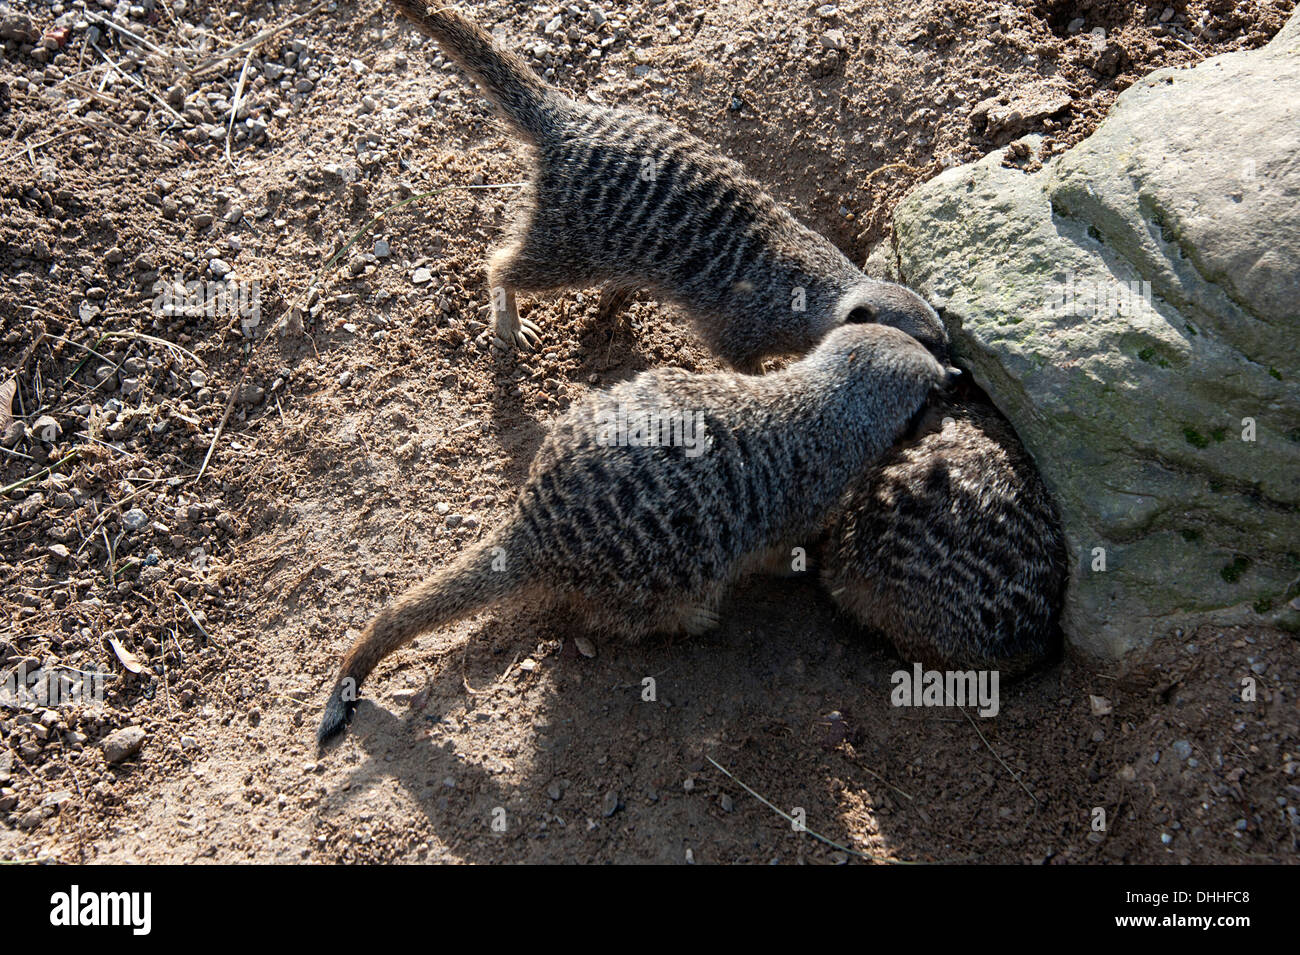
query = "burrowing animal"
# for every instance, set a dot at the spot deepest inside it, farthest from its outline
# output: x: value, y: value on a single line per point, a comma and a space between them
x: 627, y: 201
x: 951, y: 547
x: 644, y: 502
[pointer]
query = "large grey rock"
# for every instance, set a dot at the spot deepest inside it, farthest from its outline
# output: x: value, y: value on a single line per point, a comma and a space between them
x: 1134, y: 308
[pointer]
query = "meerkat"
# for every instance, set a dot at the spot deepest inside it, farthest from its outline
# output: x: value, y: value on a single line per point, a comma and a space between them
x: 951, y: 547
x: 626, y: 201
x: 645, y: 502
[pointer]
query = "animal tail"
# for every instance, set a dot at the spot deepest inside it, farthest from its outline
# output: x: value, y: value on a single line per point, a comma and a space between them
x: 526, y: 101
x: 482, y: 576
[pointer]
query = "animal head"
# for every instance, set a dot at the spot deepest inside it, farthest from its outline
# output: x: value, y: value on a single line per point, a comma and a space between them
x: 888, y: 378
x: 885, y: 356
x: 884, y: 303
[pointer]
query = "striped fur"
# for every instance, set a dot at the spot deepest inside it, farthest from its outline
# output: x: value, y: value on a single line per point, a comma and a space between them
x: 628, y: 201
x: 639, y: 539
x: 951, y: 547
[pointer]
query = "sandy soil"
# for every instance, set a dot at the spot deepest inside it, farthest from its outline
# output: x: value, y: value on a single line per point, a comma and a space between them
x: 376, y: 443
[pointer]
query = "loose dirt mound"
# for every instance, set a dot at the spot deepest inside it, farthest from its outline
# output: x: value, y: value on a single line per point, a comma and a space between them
x: 366, y: 450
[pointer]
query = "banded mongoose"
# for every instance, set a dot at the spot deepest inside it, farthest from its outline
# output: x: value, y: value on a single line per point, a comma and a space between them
x: 951, y: 547
x: 645, y: 501
x: 627, y: 201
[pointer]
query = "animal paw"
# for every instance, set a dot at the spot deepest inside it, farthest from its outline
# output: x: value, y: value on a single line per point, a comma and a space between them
x: 525, y: 337
x: 698, y: 620
x: 528, y: 336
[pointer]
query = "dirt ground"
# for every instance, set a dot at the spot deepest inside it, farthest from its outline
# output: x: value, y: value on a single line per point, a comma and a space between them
x: 380, y: 433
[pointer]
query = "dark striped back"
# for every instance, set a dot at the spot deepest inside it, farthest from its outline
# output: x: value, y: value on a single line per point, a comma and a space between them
x: 636, y: 523
x: 952, y: 548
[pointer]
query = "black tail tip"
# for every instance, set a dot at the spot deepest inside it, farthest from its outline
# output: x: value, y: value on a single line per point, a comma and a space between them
x: 337, y: 716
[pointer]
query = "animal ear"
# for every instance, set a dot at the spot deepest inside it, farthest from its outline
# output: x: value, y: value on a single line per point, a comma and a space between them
x: 862, y: 315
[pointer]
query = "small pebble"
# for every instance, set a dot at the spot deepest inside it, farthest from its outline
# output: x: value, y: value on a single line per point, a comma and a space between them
x: 834, y: 40
x: 122, y: 744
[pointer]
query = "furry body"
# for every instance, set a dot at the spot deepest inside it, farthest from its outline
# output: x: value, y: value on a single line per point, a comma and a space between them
x: 628, y: 201
x: 951, y: 547
x: 642, y: 537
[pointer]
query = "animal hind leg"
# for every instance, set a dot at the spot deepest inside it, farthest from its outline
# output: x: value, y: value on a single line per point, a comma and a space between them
x: 544, y: 255
x: 511, y: 330
x: 694, y: 614
x: 614, y: 297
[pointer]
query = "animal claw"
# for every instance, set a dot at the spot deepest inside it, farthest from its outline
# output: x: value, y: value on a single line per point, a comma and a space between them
x: 528, y: 336
x: 701, y: 620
